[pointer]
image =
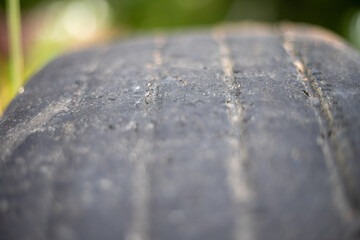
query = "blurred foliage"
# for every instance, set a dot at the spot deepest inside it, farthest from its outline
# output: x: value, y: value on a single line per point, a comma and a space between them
x: 54, y: 26
x: 332, y: 14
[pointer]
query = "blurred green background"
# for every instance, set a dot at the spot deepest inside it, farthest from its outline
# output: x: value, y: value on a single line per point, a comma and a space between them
x: 50, y: 27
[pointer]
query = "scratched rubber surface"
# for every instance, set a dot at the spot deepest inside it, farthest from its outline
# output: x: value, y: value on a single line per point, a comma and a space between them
x: 243, y: 132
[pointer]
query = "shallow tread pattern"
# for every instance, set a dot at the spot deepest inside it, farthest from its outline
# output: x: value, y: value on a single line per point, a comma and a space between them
x: 244, y: 132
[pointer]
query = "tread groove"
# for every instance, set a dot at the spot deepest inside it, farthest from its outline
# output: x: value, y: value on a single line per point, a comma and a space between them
x: 344, y: 196
x: 238, y: 185
x: 140, y: 213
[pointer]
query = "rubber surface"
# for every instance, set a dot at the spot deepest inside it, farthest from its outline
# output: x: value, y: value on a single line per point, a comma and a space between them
x: 244, y: 132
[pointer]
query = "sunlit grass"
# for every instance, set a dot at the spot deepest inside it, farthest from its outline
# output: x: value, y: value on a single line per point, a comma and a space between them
x: 12, y: 71
x: 16, y: 56
x: 56, y: 27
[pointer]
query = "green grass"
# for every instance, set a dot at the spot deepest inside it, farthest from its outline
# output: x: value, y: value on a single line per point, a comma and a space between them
x: 16, y: 55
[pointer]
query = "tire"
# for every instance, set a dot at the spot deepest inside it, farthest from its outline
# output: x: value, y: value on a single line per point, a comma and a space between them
x: 245, y: 132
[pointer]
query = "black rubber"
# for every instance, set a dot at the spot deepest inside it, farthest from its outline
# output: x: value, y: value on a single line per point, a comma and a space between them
x: 244, y: 132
